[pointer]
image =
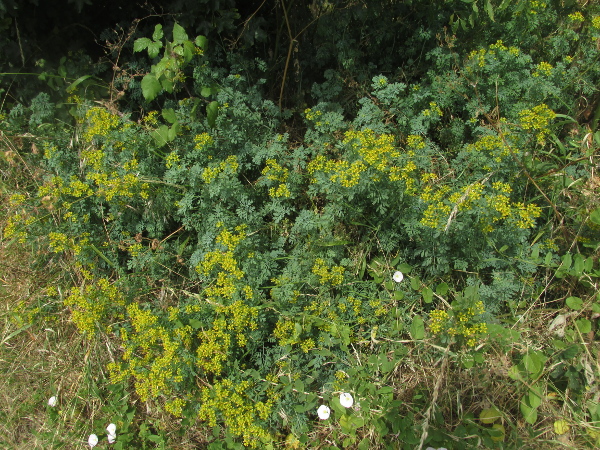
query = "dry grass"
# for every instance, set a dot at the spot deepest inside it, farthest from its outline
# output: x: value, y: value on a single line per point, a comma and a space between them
x: 41, y: 355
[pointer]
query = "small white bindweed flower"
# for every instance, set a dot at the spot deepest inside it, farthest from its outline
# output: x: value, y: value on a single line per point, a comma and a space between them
x: 92, y: 440
x: 431, y: 448
x: 323, y: 412
x: 112, y: 433
x: 398, y: 276
x: 346, y: 400
x: 53, y: 401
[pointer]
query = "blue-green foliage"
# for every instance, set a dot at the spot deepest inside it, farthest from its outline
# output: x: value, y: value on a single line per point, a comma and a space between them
x: 255, y: 244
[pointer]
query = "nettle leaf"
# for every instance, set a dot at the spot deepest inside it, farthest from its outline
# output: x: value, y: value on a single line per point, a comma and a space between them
x: 158, y: 33
x: 201, y: 42
x: 141, y: 44
x: 154, y: 48
x: 150, y: 87
x: 179, y: 34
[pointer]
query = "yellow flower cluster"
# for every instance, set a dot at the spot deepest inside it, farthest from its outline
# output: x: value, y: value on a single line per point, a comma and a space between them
x: 576, y: 17
x: 527, y: 214
x: 236, y: 320
x: 312, y: 115
x: 203, y: 140
x: 284, y: 331
x: 348, y: 175
x: 372, y: 152
x: 114, y: 184
x: 274, y: 172
x: 240, y: 413
x: 537, y: 118
x: 335, y: 275
x: 228, y: 167
x: 91, y: 303
x: 543, y: 68
x: 152, y: 356
x: 459, y: 323
x: 92, y: 157
x: 477, y: 57
x: 99, y: 123
x: 437, y: 320
x: 171, y: 159
x: 436, y: 215
x: 494, y: 145
x: 151, y: 118
x: 16, y: 227
x: 433, y: 109
x: 536, y: 6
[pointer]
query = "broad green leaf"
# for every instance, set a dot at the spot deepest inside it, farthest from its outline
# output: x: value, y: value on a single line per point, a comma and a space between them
x: 404, y: 268
x: 534, y: 363
x: 595, y: 216
x: 415, y: 283
x: 567, y: 259
x: 161, y: 135
x: 169, y: 115
x: 150, y: 87
x: 427, y: 294
x: 442, y: 288
x: 141, y: 44
x: 173, y: 131
x: 574, y: 303
x: 529, y: 413
x: 201, y: 42
x: 583, y: 325
x: 167, y: 84
x: 195, y: 324
x: 158, y: 33
x: 515, y: 374
x: 578, y: 263
x: 561, y: 427
x: 498, y: 432
x: 188, y: 51
x: 154, y: 48
x: 212, y: 110
x: 350, y: 423
x: 489, y: 9
x: 589, y: 264
x: 206, y: 91
x: 535, y: 398
x: 489, y: 415
x: 179, y: 34
x: 417, y: 328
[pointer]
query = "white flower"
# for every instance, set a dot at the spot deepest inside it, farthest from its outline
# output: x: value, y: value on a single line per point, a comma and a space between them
x: 323, y: 412
x: 346, y: 400
x: 112, y: 433
x: 398, y: 276
x: 92, y: 440
x: 53, y: 401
